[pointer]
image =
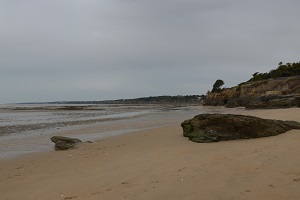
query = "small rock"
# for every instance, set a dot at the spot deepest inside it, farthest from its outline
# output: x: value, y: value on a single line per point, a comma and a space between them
x: 65, y: 143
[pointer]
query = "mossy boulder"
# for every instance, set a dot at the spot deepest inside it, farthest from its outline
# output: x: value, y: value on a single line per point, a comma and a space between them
x: 205, y: 128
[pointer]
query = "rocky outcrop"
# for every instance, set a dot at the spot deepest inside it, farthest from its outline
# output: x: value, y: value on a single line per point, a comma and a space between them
x: 275, y: 101
x: 207, y: 128
x: 65, y: 143
x: 282, y: 93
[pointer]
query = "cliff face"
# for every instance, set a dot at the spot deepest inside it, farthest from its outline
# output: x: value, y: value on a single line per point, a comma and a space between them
x: 284, y: 92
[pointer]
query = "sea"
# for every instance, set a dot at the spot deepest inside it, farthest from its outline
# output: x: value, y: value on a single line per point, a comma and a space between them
x: 27, y: 128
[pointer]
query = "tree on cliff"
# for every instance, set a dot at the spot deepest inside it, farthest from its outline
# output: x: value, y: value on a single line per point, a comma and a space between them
x: 283, y: 70
x: 217, y: 86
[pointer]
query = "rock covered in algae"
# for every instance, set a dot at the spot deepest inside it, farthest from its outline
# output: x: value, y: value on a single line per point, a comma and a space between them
x: 205, y: 128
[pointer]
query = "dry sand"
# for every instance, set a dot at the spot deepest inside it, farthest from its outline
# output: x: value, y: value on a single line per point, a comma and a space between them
x: 162, y: 164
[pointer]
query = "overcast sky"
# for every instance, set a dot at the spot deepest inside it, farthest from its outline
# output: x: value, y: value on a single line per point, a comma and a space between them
x: 57, y: 50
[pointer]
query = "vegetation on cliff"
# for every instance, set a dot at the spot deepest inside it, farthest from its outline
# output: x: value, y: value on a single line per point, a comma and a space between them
x: 283, y: 70
x: 217, y: 86
x: 279, y: 88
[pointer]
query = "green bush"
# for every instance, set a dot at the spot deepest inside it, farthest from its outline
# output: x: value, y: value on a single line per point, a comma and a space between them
x: 287, y: 70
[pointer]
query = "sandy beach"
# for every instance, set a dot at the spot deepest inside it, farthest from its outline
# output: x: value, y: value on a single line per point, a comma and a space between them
x: 161, y: 164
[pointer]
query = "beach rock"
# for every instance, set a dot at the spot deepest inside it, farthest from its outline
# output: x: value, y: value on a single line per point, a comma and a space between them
x: 297, y: 101
x: 239, y: 101
x: 274, y: 101
x: 64, y: 143
x: 205, y: 128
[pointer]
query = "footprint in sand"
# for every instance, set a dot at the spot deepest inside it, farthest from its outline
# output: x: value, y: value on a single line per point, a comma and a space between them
x: 73, y: 197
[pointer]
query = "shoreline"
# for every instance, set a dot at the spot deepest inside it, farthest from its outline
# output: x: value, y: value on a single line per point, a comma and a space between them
x: 160, y: 163
x: 38, y: 137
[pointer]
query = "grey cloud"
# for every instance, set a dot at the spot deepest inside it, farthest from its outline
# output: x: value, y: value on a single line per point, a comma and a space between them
x: 81, y: 50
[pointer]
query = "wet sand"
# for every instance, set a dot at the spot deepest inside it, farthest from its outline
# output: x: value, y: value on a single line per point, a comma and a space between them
x: 161, y: 164
x: 34, y: 137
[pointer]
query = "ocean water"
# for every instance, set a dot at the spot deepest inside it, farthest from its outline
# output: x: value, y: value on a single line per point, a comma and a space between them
x: 55, y: 113
x: 27, y: 128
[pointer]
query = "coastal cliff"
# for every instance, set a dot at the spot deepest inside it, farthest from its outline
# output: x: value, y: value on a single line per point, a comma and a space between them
x: 270, y: 93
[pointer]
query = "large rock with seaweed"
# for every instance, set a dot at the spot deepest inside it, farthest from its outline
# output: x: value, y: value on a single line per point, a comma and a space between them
x: 205, y: 128
x: 65, y: 143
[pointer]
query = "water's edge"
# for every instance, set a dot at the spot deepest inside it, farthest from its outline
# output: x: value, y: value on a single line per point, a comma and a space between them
x: 34, y: 137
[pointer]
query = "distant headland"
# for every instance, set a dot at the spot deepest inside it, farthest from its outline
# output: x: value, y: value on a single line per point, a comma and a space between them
x: 168, y: 100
